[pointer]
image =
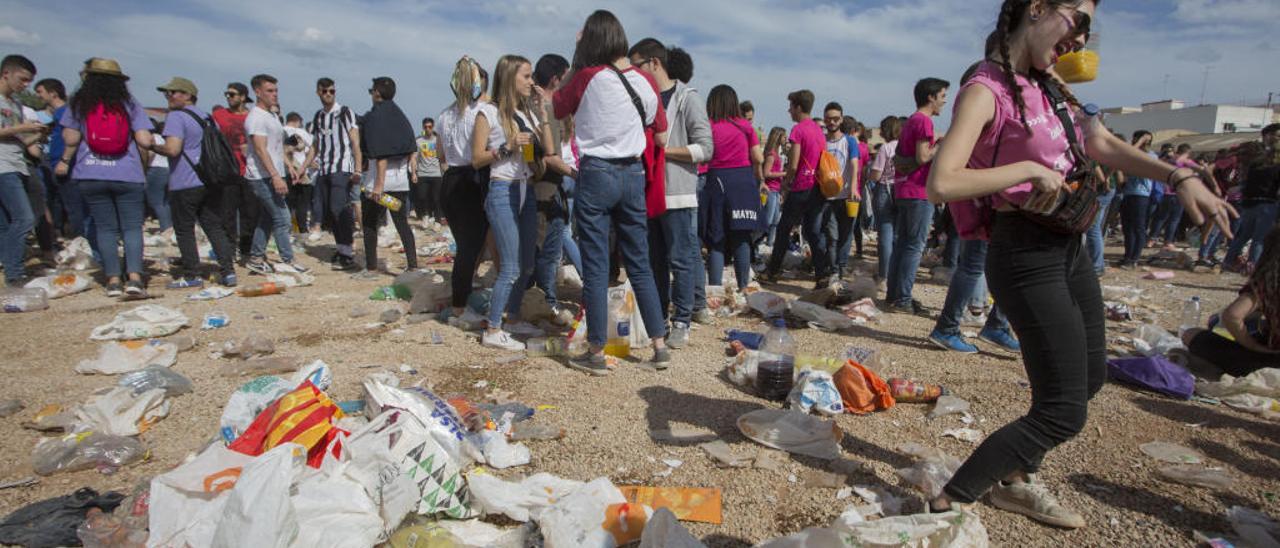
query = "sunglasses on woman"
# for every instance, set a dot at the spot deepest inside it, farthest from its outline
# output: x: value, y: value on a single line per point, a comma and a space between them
x: 1078, y: 24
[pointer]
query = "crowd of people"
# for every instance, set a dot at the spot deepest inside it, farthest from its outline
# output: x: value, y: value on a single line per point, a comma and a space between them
x: 612, y: 161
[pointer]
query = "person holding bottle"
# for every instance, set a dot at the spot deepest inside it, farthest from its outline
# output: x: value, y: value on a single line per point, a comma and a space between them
x: 1041, y: 276
x: 389, y: 143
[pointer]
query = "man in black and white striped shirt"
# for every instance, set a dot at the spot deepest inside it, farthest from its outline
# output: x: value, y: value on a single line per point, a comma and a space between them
x: 337, y: 154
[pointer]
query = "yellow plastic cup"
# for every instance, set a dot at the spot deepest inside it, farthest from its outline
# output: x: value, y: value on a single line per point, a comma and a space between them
x: 764, y: 198
x: 1078, y: 66
x: 527, y: 150
x: 852, y: 207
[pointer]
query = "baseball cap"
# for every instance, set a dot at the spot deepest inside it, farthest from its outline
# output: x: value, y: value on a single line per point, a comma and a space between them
x: 178, y: 83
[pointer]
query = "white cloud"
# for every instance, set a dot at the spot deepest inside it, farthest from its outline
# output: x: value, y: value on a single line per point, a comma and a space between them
x: 10, y: 35
x: 1252, y: 12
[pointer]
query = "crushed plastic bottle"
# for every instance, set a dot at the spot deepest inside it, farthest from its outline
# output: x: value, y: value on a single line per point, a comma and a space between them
x: 539, y: 347
x: 151, y: 378
x: 85, y: 450
x: 260, y: 290
x: 14, y: 299
x: 215, y: 320
x: 393, y: 292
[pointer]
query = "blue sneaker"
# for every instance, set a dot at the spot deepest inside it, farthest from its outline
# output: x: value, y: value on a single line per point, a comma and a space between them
x: 185, y: 283
x: 952, y: 342
x: 229, y: 280
x: 1002, y: 338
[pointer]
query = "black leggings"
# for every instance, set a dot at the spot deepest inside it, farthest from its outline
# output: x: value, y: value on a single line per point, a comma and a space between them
x: 1230, y: 356
x: 299, y: 200
x: 202, y: 204
x: 371, y: 213
x: 1046, y: 285
x: 462, y: 198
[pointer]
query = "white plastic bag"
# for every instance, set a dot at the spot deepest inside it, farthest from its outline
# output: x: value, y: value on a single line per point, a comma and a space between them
x: 741, y: 369
x: 768, y: 304
x: 1263, y: 382
x: 143, y: 322
x: 519, y: 501
x: 816, y: 391
x: 398, y: 459
x: 115, y: 358
x: 1151, y: 340
x: 60, y: 285
x: 792, y: 431
x: 931, y: 472
x: 75, y: 255
x: 576, y: 519
x: 289, y: 278
x: 497, y: 452
x: 248, y: 401
x: 333, y: 511
x: 259, y: 511
x: 664, y: 531
x: 117, y: 411
x: 187, y: 502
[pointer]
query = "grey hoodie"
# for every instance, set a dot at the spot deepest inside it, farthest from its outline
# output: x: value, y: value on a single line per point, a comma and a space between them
x: 687, y: 126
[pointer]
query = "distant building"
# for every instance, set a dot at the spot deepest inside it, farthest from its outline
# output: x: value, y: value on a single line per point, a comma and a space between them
x: 1172, y: 116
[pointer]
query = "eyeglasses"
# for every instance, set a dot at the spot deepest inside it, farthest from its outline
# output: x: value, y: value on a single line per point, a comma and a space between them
x: 1078, y: 24
x: 329, y: 91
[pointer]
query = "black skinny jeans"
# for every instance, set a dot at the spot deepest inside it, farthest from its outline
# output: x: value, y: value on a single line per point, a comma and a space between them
x: 204, y: 205
x: 240, y: 210
x: 462, y: 198
x: 299, y: 201
x: 426, y: 197
x: 335, y: 202
x: 1045, y: 284
x: 371, y: 216
x: 1133, y: 218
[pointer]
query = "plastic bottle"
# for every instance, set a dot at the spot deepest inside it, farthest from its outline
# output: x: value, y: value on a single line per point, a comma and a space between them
x: 259, y: 290
x: 539, y: 347
x: 621, y: 304
x: 778, y: 341
x: 1190, y: 315
x: 23, y: 299
x: 388, y: 201
x: 747, y: 338
x: 909, y: 391
x: 774, y: 376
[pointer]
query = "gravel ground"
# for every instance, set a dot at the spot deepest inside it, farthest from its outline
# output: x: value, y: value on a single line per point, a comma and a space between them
x: 608, y: 420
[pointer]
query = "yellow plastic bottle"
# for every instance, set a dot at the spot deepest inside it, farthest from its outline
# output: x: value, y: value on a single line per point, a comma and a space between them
x: 621, y: 304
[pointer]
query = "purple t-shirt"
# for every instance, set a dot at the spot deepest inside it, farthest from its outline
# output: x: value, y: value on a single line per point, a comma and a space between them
x: 125, y: 168
x: 918, y: 128
x: 181, y: 125
x: 812, y: 142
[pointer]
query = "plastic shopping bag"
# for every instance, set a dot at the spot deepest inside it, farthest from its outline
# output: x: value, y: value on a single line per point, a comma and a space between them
x: 304, y: 416
x: 143, y: 322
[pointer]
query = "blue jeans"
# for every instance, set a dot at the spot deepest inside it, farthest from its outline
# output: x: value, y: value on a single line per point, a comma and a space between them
x: 803, y: 207
x: 700, y: 268
x: 884, y: 210
x: 839, y: 232
x: 1094, y: 241
x: 1170, y: 216
x: 609, y: 194
x: 970, y: 267
x: 737, y: 243
x: 515, y: 233
x: 1216, y: 238
x: 157, y: 195
x: 911, y: 230
x: 118, y: 209
x: 1255, y: 221
x: 674, y: 248
x: 772, y: 210
x: 16, y: 220
x: 273, y: 218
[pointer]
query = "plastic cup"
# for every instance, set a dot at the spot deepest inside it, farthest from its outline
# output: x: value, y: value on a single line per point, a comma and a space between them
x: 851, y: 207
x: 1078, y: 66
x: 527, y: 150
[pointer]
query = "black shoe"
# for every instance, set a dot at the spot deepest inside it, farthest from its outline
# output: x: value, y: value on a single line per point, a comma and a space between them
x: 114, y: 289
x: 590, y: 363
x: 345, y: 263
x: 661, y: 359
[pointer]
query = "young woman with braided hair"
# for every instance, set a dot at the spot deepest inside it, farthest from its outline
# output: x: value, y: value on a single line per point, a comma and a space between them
x: 1007, y: 146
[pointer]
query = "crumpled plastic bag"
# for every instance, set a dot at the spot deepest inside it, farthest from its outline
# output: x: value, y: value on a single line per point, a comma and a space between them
x: 120, y: 412
x: 664, y: 531
x: 792, y: 431
x: 144, y: 322
x: 568, y: 276
x: 1263, y: 382
x: 954, y: 529
x: 816, y: 391
x: 75, y: 255
x: 187, y: 502
x: 579, y: 518
x: 931, y: 472
x: 53, y: 522
x: 60, y: 285
x: 862, y: 311
x: 287, y: 276
x: 1254, y: 527
x: 819, y: 317
x: 334, y: 511
x: 768, y: 304
x: 741, y: 369
x: 155, y: 377
x: 304, y: 416
x: 497, y: 452
x: 1151, y: 340
x: 115, y: 358
x: 85, y: 450
x: 520, y: 501
x: 258, y: 510
x: 248, y: 401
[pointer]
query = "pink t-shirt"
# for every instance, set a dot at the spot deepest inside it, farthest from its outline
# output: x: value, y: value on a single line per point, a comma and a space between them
x: 918, y: 128
x: 1006, y: 136
x: 812, y: 142
x: 775, y: 184
x: 733, y: 140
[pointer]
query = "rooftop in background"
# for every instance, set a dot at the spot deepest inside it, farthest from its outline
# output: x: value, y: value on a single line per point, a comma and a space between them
x: 1173, y: 115
x: 1206, y: 142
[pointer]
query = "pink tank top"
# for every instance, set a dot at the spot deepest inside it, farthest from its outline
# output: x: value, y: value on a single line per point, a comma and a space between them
x: 1005, y: 141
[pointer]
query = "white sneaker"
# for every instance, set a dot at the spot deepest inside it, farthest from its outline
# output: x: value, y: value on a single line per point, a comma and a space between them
x: 500, y: 339
x: 313, y: 237
x: 1032, y: 499
x: 524, y: 329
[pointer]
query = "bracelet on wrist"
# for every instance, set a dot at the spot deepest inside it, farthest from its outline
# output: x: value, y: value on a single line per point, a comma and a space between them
x: 1178, y: 183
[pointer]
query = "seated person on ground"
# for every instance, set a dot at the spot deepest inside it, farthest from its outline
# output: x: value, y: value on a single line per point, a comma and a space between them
x: 1253, y: 321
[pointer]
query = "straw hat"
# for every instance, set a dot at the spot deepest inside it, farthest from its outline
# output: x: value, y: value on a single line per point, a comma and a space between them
x: 102, y: 65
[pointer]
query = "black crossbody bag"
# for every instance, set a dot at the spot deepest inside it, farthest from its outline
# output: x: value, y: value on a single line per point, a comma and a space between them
x: 1077, y: 207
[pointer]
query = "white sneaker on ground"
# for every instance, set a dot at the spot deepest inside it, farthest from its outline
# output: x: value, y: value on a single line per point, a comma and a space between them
x: 1032, y: 499
x: 500, y: 339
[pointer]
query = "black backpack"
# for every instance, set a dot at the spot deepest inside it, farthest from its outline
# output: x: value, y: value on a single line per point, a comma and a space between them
x: 218, y: 166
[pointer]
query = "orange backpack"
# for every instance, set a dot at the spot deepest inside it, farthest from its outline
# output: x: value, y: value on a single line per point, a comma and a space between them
x: 830, y: 179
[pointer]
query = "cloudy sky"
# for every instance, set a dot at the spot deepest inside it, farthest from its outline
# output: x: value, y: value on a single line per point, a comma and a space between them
x: 864, y: 54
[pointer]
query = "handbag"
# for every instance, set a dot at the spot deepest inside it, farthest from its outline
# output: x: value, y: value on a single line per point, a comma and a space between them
x: 654, y: 158
x: 1078, y: 205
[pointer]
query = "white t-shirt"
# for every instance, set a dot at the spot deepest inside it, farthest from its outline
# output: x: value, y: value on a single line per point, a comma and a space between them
x: 397, y: 177
x: 261, y: 122
x: 159, y: 160
x: 884, y: 162
x: 513, y: 167
x: 455, y: 130
x: 605, y: 119
x: 299, y: 155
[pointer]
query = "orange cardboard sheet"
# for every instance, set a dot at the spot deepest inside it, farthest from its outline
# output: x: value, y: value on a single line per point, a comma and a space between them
x: 687, y: 503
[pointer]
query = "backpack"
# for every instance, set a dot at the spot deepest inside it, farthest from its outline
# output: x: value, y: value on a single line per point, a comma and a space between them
x: 107, y: 131
x: 830, y: 180
x: 218, y: 166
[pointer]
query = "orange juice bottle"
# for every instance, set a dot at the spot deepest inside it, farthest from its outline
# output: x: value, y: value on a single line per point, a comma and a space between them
x: 264, y: 288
